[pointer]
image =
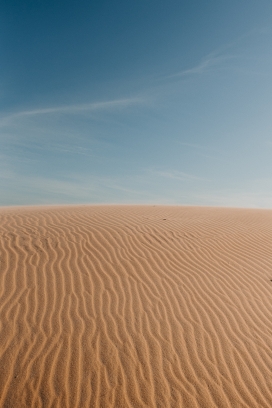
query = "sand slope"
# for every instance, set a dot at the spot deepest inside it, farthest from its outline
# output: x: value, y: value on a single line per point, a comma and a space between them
x: 135, y: 307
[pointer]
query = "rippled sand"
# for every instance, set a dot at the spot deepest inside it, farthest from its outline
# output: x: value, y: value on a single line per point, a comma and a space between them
x: 140, y: 306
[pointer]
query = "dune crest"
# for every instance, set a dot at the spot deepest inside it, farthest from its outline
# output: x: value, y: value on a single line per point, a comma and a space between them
x: 135, y: 306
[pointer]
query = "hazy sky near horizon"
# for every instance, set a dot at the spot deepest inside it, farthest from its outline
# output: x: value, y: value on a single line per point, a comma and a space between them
x: 162, y: 102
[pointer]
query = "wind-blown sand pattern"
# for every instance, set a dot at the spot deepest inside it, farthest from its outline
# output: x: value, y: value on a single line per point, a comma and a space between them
x: 118, y: 306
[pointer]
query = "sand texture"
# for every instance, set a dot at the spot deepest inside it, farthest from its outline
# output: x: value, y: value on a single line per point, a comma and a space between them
x: 140, y: 306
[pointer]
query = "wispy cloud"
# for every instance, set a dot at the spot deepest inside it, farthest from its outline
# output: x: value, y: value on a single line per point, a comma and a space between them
x: 145, y: 186
x: 223, y: 55
x: 142, y: 187
x: 234, y: 198
x: 206, y: 151
x: 210, y: 61
x: 54, y: 147
x: 199, y: 147
x: 73, y: 188
x: 106, y: 105
x: 76, y: 109
x: 176, y: 175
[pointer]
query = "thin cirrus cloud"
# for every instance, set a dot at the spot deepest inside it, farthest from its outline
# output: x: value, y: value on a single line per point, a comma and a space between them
x: 220, y: 58
x: 210, y: 61
x: 92, y: 140
x: 75, y: 109
x: 199, y: 147
x: 234, y: 198
x: 71, y: 189
x: 176, y: 175
x: 106, y: 105
x: 39, y: 126
x: 206, y: 151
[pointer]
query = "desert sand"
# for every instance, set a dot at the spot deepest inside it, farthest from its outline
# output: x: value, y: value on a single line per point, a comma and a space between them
x: 135, y: 306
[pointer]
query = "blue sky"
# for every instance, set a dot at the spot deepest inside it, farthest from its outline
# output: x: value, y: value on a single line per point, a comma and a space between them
x: 156, y: 102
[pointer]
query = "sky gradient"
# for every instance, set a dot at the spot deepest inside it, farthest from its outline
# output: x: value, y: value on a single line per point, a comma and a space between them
x: 151, y: 102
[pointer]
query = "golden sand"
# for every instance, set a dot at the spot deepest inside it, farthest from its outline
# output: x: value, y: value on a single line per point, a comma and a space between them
x: 135, y: 306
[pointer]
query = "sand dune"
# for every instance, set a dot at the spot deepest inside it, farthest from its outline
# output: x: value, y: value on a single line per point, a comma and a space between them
x: 111, y: 306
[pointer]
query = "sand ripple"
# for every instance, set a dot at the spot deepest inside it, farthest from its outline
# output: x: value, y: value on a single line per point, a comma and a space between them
x: 135, y: 307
